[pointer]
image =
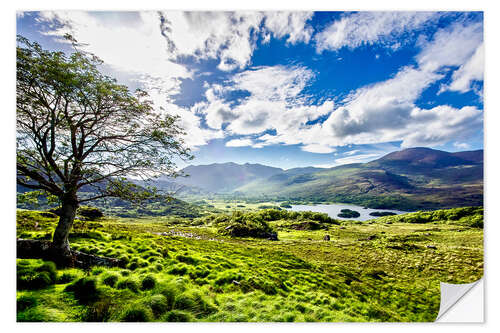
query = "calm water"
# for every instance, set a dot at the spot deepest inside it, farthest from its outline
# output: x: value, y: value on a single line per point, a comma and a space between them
x: 333, y: 209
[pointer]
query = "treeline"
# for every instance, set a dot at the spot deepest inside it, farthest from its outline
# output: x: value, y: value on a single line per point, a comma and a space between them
x: 468, y: 216
x: 256, y: 224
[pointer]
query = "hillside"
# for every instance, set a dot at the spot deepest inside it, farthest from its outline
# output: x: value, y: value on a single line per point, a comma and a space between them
x: 415, y: 178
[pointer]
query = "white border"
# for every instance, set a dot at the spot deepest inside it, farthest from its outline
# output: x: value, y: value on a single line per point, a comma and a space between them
x: 7, y: 141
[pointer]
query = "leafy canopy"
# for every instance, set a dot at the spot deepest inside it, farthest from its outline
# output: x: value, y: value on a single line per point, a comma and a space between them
x: 77, y: 127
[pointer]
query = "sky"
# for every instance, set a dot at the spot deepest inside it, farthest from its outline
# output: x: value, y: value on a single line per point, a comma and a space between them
x: 293, y: 89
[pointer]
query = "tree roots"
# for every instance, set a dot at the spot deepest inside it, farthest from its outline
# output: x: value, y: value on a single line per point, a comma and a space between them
x: 43, y: 249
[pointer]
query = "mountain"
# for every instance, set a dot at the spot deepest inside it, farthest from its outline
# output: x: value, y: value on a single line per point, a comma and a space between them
x: 224, y: 177
x: 414, y: 178
x: 410, y: 179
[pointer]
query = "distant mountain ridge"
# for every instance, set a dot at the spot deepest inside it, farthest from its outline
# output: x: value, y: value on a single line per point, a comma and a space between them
x: 411, y: 178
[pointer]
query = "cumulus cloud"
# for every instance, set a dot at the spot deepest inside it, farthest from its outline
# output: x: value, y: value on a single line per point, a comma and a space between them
x: 129, y: 42
x: 465, y: 75
x: 275, y: 102
x: 360, y: 158
x: 239, y: 143
x: 291, y: 24
x: 366, y: 28
x: 386, y: 111
x: 230, y: 37
x: 318, y: 148
x: 451, y: 46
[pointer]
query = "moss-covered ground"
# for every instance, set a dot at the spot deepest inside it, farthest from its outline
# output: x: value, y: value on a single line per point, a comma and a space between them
x: 181, y: 269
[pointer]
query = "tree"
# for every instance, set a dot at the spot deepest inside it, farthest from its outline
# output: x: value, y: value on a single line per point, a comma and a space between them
x: 77, y: 127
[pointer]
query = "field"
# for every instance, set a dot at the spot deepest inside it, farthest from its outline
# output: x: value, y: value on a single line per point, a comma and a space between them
x: 185, y: 269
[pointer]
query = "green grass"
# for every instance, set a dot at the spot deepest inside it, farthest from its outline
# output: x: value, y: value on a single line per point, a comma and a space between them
x: 386, y: 269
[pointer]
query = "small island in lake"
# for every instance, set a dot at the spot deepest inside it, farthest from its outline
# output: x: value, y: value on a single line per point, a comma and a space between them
x: 382, y: 213
x: 347, y: 213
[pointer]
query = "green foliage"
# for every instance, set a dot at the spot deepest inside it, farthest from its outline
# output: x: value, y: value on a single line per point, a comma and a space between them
x: 247, y: 225
x: 84, y: 289
x: 386, y: 269
x: 148, y: 282
x: 159, y: 304
x: 177, y: 316
x: 467, y: 216
x: 137, y: 313
x: 25, y: 302
x: 35, y: 274
x: 348, y: 213
x: 110, y: 279
x: 90, y: 213
x: 128, y: 283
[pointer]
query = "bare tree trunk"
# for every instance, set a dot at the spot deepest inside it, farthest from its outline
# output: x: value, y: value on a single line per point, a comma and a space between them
x: 60, y: 242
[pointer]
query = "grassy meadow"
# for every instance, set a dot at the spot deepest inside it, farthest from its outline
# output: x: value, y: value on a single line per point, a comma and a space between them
x: 196, y: 269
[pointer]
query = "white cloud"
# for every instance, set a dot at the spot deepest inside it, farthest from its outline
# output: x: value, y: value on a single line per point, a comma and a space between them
x: 386, y: 111
x: 318, y: 148
x: 472, y: 70
x: 291, y: 24
x: 461, y: 145
x: 365, y: 28
x: 128, y: 42
x: 230, y: 37
x: 451, y: 46
x: 275, y: 102
x: 361, y: 158
x: 239, y: 143
x: 132, y: 43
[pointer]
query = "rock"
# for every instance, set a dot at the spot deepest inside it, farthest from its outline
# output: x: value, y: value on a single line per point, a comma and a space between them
x: 326, y: 238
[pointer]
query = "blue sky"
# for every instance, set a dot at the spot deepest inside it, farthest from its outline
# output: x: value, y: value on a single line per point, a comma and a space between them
x: 293, y: 89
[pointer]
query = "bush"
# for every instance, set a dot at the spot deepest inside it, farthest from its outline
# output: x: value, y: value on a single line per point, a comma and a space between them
x: 149, y: 282
x: 90, y: 213
x: 137, y: 313
x: 110, y: 279
x: 84, y: 290
x: 25, y: 302
x: 248, y: 225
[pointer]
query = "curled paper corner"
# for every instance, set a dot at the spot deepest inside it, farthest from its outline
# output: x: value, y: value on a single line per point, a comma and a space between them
x: 452, y: 294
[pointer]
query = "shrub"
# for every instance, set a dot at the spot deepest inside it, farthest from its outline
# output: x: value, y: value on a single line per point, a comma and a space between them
x: 149, y: 282
x: 84, y: 289
x: 90, y: 213
x: 248, y: 225
x: 25, y: 302
x: 137, y: 313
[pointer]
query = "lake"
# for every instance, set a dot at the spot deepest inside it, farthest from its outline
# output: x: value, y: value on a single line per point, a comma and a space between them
x: 333, y: 209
